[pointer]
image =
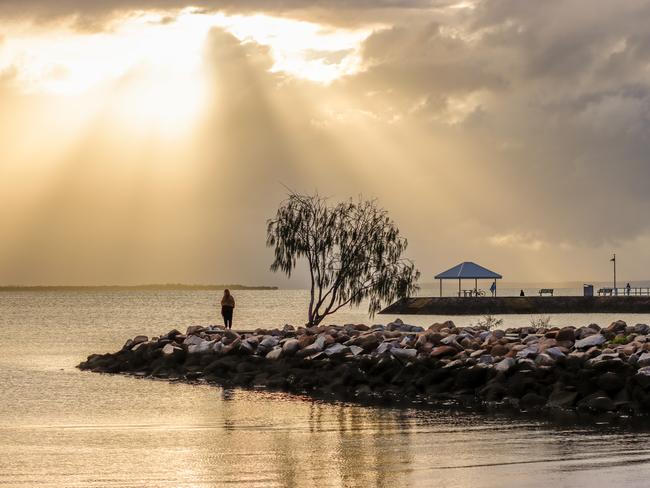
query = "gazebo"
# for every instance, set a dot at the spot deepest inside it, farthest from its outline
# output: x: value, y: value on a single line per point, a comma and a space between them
x: 468, y: 271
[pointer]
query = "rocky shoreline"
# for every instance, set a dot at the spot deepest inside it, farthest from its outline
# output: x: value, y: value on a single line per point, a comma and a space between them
x: 586, y: 370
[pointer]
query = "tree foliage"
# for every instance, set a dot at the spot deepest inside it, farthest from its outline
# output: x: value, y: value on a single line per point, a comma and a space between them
x: 353, y: 251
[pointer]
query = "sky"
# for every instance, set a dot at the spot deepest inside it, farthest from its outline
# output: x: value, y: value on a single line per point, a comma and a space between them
x: 148, y: 141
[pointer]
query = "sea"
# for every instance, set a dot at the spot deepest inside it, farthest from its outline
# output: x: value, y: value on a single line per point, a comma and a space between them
x: 64, y: 428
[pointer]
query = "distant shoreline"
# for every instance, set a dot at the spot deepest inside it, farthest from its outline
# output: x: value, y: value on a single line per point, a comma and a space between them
x: 152, y: 287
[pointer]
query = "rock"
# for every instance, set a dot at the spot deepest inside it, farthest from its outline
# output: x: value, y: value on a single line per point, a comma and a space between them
x: 555, y: 352
x: 478, y: 353
x: 201, y: 348
x: 441, y: 351
x: 471, y: 377
x: 641, y: 329
x: 367, y: 342
x: 504, y: 365
x: 384, y: 347
x: 231, y: 335
x: 642, y: 377
x: 169, y: 350
x: 560, y: 398
x: 306, y: 340
x: 544, y: 360
x: 486, y: 359
x: 590, y: 341
x: 356, y: 350
x: 247, y: 346
x: 530, y: 338
x: 269, y: 342
x: 434, y: 338
x: 499, y: 350
x: 405, y: 354
x: 644, y: 360
x: 597, y: 403
x: 194, y: 329
x: 498, y: 334
x: 610, y: 382
x: 532, y: 400
x: 274, y: 354
x: 529, y: 352
x: 288, y: 328
x: 172, y: 334
x: 337, y: 350
x: 193, y: 340
x: 617, y: 327
x: 310, y: 350
x: 290, y: 347
x: 139, y: 340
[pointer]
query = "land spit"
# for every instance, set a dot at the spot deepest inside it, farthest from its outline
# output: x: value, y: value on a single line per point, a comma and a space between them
x: 518, y: 305
x: 590, y: 369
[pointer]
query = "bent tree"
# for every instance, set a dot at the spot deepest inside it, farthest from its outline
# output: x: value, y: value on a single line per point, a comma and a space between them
x: 352, y: 249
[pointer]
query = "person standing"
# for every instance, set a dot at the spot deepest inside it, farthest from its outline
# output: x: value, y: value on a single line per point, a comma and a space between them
x: 227, y: 307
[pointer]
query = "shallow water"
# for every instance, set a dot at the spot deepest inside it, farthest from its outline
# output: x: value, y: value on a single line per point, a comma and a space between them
x: 60, y: 427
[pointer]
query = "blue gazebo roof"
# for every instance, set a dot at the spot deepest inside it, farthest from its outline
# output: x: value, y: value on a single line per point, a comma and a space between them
x: 468, y: 270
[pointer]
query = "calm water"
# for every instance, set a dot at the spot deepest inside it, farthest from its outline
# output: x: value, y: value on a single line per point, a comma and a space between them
x: 63, y: 428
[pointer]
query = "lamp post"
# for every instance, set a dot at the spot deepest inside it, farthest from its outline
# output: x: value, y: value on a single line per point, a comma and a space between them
x: 614, y: 261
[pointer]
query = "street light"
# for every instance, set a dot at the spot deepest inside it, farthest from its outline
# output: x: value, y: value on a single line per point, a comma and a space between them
x: 614, y: 261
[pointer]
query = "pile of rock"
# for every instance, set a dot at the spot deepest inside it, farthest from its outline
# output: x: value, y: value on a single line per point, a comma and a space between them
x: 588, y: 369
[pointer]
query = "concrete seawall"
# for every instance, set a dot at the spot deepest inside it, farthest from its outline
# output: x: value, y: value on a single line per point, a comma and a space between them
x: 518, y: 305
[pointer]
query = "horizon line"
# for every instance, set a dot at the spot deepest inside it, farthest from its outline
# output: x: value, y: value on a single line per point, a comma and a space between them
x: 234, y: 286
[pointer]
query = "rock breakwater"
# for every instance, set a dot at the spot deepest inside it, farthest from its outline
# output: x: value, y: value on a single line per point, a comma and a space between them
x: 588, y: 369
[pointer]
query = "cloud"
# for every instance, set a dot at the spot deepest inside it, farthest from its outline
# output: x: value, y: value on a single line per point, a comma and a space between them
x: 89, y: 12
x: 517, y: 240
x: 489, y: 132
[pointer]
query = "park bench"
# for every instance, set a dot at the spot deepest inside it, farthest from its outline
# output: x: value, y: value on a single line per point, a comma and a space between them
x: 546, y: 291
x: 606, y: 291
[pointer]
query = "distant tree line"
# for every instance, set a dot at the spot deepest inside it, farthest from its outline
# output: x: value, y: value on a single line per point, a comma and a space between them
x: 154, y: 287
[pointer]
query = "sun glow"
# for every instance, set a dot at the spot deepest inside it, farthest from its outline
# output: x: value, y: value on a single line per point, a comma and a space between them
x: 146, y: 69
x: 65, y: 61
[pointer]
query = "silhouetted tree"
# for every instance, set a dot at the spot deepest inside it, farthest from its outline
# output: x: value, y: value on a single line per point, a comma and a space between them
x: 353, y: 250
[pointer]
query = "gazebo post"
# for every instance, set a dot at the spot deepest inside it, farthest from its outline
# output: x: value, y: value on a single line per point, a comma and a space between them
x: 440, y: 280
x: 495, y: 287
x: 458, y: 287
x: 475, y: 286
